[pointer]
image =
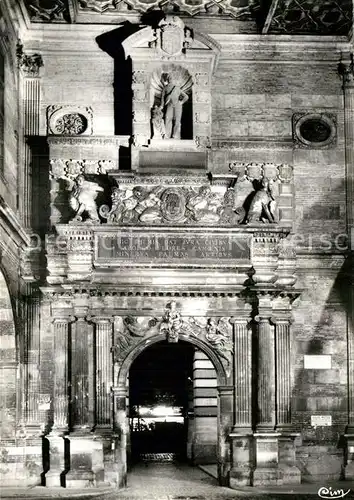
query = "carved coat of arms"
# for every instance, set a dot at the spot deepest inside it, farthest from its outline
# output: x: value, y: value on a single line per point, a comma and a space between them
x: 171, y: 35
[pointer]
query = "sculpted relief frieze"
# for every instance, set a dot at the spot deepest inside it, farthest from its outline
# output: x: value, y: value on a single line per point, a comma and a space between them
x: 251, y: 195
x: 213, y: 331
x: 247, y: 197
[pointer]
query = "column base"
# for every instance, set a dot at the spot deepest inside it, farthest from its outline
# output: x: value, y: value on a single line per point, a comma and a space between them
x: 55, y: 476
x: 267, y: 450
x: 348, y: 469
x: 287, y: 457
x: 240, y: 476
x: 83, y: 456
x: 290, y: 474
x: 241, y: 473
x: 266, y: 476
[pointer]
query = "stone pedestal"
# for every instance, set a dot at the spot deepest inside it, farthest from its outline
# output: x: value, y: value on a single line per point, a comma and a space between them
x: 82, y: 451
x: 121, y: 429
x: 349, y: 462
x: 289, y: 473
x: 55, y: 477
x: 242, y: 460
x: 225, y: 419
x: 266, y: 447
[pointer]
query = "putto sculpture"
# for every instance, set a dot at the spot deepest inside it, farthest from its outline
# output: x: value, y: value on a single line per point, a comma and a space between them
x: 263, y: 205
x: 82, y: 199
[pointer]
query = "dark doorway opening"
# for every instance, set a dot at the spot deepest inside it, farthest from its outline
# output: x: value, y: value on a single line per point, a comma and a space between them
x: 161, y: 401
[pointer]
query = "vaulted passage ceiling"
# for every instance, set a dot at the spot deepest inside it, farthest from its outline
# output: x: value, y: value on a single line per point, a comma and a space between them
x: 311, y: 17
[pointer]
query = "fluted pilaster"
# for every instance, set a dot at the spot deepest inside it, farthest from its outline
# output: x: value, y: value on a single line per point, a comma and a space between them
x: 104, y: 374
x: 81, y: 376
x: 283, y: 372
x: 32, y: 355
x: 242, y: 375
x: 30, y: 112
x: 348, y: 89
x: 265, y: 375
x: 61, y: 349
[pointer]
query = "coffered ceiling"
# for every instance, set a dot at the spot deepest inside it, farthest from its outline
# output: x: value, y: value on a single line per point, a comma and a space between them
x: 309, y: 17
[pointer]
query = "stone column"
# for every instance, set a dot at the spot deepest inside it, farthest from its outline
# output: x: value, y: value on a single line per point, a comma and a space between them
x: 121, y: 429
x: 55, y: 476
x: 286, y: 442
x: 81, y: 385
x: 265, y: 376
x: 104, y: 372
x: 225, y: 421
x: 29, y: 95
x: 283, y: 372
x: 241, y: 434
x: 32, y: 355
x: 266, y: 440
x: 82, y: 447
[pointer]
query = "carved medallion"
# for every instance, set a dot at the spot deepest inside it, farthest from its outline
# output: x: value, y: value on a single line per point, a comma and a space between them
x: 71, y: 124
x: 173, y: 205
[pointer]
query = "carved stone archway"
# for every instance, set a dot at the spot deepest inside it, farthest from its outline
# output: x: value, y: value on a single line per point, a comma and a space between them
x: 225, y: 401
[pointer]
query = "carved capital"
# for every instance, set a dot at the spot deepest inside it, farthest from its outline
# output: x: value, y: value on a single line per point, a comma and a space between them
x: 64, y: 319
x: 262, y: 319
x: 346, y: 71
x: 100, y: 320
x: 28, y: 63
x: 274, y: 320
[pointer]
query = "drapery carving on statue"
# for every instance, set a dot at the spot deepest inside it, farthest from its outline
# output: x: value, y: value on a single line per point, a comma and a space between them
x: 171, y: 88
x: 219, y: 335
x: 130, y: 333
x: 82, y: 199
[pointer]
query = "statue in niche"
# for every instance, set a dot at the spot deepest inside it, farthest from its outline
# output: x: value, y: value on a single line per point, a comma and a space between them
x: 171, y: 90
x: 82, y: 199
x: 172, y: 100
x: 263, y: 205
x: 204, y: 206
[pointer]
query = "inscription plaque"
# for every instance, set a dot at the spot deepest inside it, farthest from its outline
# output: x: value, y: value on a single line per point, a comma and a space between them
x: 176, y: 249
x: 317, y: 361
x: 321, y: 420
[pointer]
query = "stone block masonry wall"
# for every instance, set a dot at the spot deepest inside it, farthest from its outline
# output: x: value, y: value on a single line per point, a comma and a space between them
x: 9, y: 175
x: 320, y: 328
x: 204, y: 439
x: 80, y: 80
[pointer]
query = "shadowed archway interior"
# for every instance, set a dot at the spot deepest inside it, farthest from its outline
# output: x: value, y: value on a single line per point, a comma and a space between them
x: 161, y: 399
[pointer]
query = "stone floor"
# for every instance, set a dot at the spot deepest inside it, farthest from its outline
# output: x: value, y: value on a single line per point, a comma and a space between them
x: 174, y: 481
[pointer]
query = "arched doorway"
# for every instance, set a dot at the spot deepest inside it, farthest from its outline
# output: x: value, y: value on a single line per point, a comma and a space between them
x: 160, y: 401
x: 217, y: 450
